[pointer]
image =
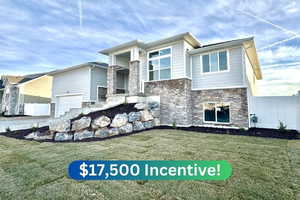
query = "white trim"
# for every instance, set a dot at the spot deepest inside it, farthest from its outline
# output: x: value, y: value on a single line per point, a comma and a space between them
x: 216, y: 122
x: 209, y: 55
x: 220, y: 88
x: 168, y: 79
x: 68, y: 94
x: 158, y: 58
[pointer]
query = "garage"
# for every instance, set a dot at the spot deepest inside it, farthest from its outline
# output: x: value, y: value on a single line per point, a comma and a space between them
x: 65, y: 103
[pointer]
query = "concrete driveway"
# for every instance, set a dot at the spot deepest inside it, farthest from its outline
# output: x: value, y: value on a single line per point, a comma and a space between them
x: 18, y: 123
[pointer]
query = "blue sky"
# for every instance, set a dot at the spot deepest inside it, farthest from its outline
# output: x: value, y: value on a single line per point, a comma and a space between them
x: 42, y: 35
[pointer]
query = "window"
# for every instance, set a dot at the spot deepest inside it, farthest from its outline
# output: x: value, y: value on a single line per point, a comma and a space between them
x: 215, y: 62
x: 101, y: 93
x: 218, y: 113
x: 159, y: 64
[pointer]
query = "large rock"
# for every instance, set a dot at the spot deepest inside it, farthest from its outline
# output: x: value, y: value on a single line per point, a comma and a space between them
x: 113, y: 131
x: 83, y: 135
x: 59, y: 125
x: 134, y: 116
x: 102, y: 133
x: 148, y: 124
x: 138, y: 126
x: 141, y: 106
x: 153, y: 105
x: 155, y: 113
x: 146, y: 115
x: 40, y: 135
x: 126, y: 129
x: 119, y: 120
x: 81, y: 124
x: 63, y: 137
x: 100, y: 122
x: 156, y: 122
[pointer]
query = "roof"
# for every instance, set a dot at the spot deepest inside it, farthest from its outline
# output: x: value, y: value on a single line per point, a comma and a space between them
x: 247, y: 43
x: 88, y: 64
x: 190, y: 38
x: 31, y: 77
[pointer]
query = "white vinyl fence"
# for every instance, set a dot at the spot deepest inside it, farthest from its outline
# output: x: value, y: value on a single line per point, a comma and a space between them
x: 273, y: 109
x: 36, y: 109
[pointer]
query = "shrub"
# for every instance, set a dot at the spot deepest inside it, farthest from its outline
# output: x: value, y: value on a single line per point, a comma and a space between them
x: 8, y: 130
x: 174, y: 125
x: 282, y: 127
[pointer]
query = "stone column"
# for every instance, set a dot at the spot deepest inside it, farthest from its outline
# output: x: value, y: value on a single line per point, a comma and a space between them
x: 134, y: 77
x: 111, y: 80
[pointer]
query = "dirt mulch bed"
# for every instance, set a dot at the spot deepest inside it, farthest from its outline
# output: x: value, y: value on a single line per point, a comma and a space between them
x: 111, y: 112
x: 20, y: 134
x: 259, y: 132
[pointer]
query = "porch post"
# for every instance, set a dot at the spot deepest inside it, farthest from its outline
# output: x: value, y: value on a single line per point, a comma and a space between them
x: 111, y: 80
x: 134, y: 77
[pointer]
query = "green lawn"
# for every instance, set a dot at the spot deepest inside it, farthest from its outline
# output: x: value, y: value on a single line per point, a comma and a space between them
x: 262, y: 168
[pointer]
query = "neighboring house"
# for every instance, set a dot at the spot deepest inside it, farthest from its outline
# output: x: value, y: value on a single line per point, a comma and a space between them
x: 82, y: 85
x: 22, y: 91
x: 200, y: 85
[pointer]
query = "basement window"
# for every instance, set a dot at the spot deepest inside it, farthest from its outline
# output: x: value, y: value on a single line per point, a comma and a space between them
x: 216, y: 113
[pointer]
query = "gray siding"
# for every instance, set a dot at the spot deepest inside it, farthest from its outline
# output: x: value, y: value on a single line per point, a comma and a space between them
x: 75, y: 81
x: 98, y: 78
x: 232, y: 78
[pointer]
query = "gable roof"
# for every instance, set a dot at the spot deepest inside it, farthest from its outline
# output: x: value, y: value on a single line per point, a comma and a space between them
x: 247, y: 43
x: 189, y: 37
x: 88, y: 64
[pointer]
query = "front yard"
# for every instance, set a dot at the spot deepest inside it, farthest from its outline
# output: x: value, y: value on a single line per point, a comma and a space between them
x: 262, y: 168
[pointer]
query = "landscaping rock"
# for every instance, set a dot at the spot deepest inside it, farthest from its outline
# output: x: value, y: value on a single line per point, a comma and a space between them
x: 134, y: 116
x: 63, y: 137
x: 153, y: 105
x: 156, y: 122
x: 146, y: 116
x: 119, y: 120
x: 141, y: 106
x: 126, y: 129
x: 148, y: 124
x: 81, y: 124
x: 155, y: 113
x: 138, y: 126
x: 102, y: 133
x: 59, y: 125
x: 83, y: 135
x: 101, y: 122
x: 40, y: 135
x: 113, y: 131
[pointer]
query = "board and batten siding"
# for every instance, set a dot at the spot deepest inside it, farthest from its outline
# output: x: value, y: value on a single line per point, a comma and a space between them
x: 178, y: 62
x: 72, y: 82
x: 98, y: 78
x: 231, y: 78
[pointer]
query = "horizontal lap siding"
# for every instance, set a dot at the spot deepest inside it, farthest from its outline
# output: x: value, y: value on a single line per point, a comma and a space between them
x: 75, y: 81
x: 223, y: 79
x: 98, y: 79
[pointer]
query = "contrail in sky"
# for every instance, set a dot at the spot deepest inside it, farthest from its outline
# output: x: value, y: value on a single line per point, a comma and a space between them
x: 295, y: 35
x: 80, y: 13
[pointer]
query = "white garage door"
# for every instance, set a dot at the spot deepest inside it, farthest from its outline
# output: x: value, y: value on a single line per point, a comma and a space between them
x: 65, y: 103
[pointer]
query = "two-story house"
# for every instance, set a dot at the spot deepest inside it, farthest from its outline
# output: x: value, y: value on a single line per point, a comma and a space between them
x: 199, y: 85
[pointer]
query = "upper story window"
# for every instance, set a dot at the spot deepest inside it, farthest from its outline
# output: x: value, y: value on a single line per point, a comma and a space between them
x: 159, y: 64
x: 215, y: 62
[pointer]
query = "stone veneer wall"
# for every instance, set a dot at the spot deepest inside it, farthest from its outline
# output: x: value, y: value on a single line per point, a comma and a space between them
x: 237, y: 98
x: 134, y: 77
x: 175, y: 100
x: 111, y: 80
